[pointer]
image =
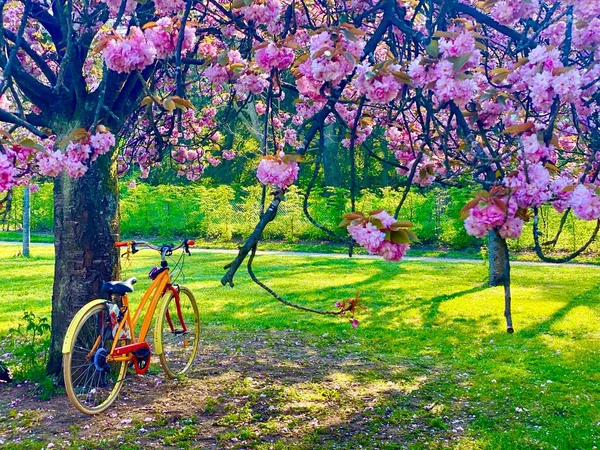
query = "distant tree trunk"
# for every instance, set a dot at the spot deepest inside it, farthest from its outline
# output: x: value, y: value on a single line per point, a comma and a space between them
x: 26, y: 221
x: 331, y: 155
x: 499, y: 271
x: 86, y: 225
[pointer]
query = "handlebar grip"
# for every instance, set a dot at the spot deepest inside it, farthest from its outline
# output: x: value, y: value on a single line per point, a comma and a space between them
x: 121, y: 244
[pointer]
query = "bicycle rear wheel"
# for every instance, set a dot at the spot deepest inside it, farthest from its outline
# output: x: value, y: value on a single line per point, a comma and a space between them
x: 177, y: 331
x: 92, y: 381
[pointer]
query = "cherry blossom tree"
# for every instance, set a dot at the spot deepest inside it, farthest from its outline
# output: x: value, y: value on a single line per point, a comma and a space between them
x: 500, y: 94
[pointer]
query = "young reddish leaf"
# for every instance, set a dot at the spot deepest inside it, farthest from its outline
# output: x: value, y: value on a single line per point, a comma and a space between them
x: 293, y: 157
x: 183, y: 102
x: 569, y: 188
x: 344, y: 223
x: 149, y: 25
x: 519, y: 129
x: 354, y: 215
x: 377, y: 211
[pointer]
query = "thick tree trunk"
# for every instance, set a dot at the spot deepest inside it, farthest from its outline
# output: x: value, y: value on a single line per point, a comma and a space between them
x: 86, y: 225
x: 26, y: 221
x: 499, y: 271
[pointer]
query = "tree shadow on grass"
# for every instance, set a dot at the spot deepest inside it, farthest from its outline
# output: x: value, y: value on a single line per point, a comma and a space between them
x: 253, y: 390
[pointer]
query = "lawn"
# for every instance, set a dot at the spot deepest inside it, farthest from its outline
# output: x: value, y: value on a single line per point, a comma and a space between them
x: 433, y: 333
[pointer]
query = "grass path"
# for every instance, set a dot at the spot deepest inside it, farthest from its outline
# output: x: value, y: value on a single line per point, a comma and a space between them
x: 429, y: 366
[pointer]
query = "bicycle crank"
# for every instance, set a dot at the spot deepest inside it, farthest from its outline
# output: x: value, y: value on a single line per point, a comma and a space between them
x: 141, y: 359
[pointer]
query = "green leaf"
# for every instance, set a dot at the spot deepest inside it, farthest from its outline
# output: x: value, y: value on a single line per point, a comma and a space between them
x: 433, y: 49
x: 400, y: 237
x: 460, y: 61
x: 413, y: 237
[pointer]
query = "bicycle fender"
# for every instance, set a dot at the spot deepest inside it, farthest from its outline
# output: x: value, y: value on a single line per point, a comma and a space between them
x: 66, y: 347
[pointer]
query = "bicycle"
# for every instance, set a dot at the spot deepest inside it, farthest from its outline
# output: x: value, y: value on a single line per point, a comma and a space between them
x: 100, y: 342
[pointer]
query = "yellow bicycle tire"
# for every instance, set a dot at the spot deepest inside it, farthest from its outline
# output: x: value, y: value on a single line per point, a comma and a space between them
x: 167, y: 343
x: 71, y: 340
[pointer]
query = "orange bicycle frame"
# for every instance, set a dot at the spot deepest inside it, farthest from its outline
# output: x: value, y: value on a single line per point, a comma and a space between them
x: 155, y: 291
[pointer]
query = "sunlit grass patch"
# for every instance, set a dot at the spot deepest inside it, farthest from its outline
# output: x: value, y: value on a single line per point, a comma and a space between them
x: 438, y: 325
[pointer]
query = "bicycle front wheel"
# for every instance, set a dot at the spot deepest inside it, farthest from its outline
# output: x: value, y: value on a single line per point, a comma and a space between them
x: 177, y: 331
x: 92, y: 380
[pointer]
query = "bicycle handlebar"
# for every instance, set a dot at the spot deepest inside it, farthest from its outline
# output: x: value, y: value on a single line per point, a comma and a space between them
x: 163, y: 249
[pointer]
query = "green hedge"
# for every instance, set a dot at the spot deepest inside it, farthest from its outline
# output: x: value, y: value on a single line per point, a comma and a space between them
x: 223, y: 213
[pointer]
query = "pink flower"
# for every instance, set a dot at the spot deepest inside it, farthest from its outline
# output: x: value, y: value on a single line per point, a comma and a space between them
x: 354, y: 323
x: 131, y: 53
x: 367, y: 235
x: 272, y: 57
x: 164, y: 37
x: 169, y: 6
x: 392, y: 251
x: 228, y: 154
x: 7, y: 173
x: 277, y: 173
x: 585, y: 203
x: 51, y: 164
x: 385, y: 218
x: 102, y: 142
x: 511, y: 229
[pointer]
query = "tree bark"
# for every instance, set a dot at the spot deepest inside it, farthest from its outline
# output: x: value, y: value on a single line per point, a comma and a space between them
x: 86, y: 225
x: 499, y: 271
x: 26, y: 221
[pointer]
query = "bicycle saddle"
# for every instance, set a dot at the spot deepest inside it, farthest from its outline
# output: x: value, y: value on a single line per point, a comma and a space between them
x: 119, y: 287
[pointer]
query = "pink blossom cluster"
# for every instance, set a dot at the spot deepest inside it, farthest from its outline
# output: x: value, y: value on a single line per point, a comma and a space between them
x: 585, y: 202
x: 115, y: 5
x: 265, y: 12
x: 448, y: 77
x: 7, y: 173
x: 488, y: 215
x: 273, y: 57
x: 332, y: 58
x: 229, y: 66
x: 168, y: 7
x: 164, y: 37
x: 382, y: 87
x: 507, y: 12
x: 530, y: 185
x: 140, y: 49
x: 76, y: 157
x: 373, y: 237
x: 274, y: 171
x: 544, y: 77
x: 134, y: 52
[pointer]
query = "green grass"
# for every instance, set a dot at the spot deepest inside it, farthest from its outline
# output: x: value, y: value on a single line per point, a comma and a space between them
x: 537, y: 388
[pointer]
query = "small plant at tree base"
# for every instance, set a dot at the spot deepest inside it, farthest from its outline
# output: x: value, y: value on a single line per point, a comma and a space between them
x: 29, y: 352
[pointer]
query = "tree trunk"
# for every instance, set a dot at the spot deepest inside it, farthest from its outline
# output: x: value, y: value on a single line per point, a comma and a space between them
x: 86, y: 225
x: 26, y: 221
x: 499, y: 271
x: 331, y: 158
